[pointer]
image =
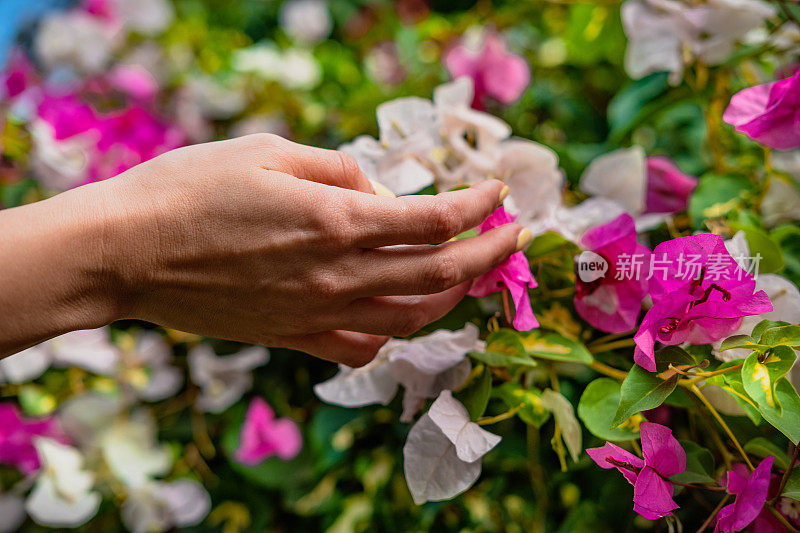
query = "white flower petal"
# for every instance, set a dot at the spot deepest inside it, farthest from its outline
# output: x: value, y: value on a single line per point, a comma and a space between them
x: 471, y: 441
x: 432, y: 468
x: 131, y: 451
x: 48, y: 508
x: 356, y: 387
x: 90, y: 349
x: 565, y: 417
x: 12, y: 511
x: 26, y: 365
x: 621, y: 176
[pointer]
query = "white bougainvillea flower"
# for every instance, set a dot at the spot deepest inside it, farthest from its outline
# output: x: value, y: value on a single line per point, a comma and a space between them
x: 90, y: 349
x: 424, y: 366
x: 620, y: 176
x: 531, y: 172
x: 84, y: 417
x: 147, y: 370
x: 12, y: 511
x: 223, y: 380
x: 159, y: 506
x: 132, y: 452
x: 306, y: 21
x: 63, y: 495
x: 565, y: 418
x: 427, y: 365
x: 25, y: 366
x: 781, y: 202
x: 148, y: 17
x: 356, y: 387
x: 664, y: 34
x: 77, y: 39
x: 783, y: 294
x: 442, y: 455
x: 293, y: 68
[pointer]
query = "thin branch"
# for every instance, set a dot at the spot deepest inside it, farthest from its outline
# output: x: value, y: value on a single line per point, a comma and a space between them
x: 786, y: 474
x: 722, y: 423
x: 713, y: 514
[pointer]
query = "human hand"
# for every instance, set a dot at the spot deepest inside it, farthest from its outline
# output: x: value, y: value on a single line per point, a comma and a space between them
x: 261, y: 240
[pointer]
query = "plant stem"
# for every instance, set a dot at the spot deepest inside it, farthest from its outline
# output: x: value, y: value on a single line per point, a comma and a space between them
x: 713, y: 514
x: 507, y: 308
x: 700, y: 376
x: 722, y: 423
x: 608, y: 370
x: 788, y: 12
x: 786, y: 474
x: 608, y: 346
x: 537, y: 478
x: 723, y: 450
x: 693, y: 486
x: 486, y: 420
x: 782, y: 519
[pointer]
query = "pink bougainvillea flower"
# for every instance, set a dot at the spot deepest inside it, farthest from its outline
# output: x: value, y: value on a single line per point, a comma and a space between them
x: 67, y: 115
x: 134, y: 80
x: 700, y: 295
x: 17, y: 76
x: 768, y: 113
x: 494, y: 70
x: 17, y: 436
x: 751, y: 492
x: 663, y: 457
x: 263, y: 436
x: 513, y: 274
x: 612, y: 302
x: 668, y: 188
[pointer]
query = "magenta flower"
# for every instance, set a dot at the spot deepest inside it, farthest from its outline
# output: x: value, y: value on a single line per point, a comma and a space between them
x: 67, y: 115
x: 668, y: 188
x: 663, y: 457
x: 513, y: 274
x: 768, y: 113
x: 17, y: 436
x: 17, y: 76
x: 494, y: 70
x: 263, y: 436
x: 700, y: 295
x: 612, y: 302
x: 751, y: 492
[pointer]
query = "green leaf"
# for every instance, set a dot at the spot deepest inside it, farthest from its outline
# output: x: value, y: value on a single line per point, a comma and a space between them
x: 781, y: 336
x: 715, y: 196
x: 764, y: 325
x: 792, y: 488
x: 731, y: 383
x: 532, y: 412
x: 475, y: 396
x: 642, y: 390
x: 504, y: 348
x: 740, y: 341
x: 36, y: 401
x: 546, y: 243
x: 787, y: 421
x: 699, y: 464
x: 564, y: 414
x: 760, y: 378
x: 597, y: 407
x: 760, y: 243
x: 554, y: 347
x: 761, y: 447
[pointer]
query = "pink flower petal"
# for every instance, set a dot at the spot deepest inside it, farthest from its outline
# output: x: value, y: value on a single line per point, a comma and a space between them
x: 661, y: 450
x: 611, y: 451
x: 652, y: 495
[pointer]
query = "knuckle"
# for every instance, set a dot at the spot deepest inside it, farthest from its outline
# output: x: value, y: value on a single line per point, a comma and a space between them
x: 348, y: 163
x: 325, y: 287
x: 444, y: 222
x: 263, y: 139
x: 442, y: 273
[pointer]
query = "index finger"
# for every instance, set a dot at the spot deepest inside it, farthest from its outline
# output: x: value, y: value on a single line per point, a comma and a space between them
x: 424, y: 219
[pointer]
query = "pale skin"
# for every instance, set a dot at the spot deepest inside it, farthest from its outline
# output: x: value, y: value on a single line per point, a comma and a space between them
x: 255, y: 239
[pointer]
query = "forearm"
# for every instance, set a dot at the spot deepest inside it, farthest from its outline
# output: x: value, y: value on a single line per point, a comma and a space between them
x: 54, y: 276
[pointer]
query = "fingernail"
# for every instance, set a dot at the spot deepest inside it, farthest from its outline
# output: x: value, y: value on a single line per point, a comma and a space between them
x: 503, y: 193
x: 524, y: 239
